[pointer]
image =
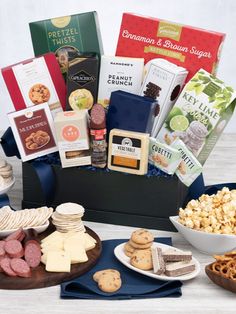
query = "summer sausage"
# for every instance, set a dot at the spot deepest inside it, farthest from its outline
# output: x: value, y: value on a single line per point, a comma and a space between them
x: 6, y: 267
x: 17, y: 235
x: 20, y: 267
x: 2, y: 244
x: 14, y: 249
x: 2, y: 252
x: 32, y: 253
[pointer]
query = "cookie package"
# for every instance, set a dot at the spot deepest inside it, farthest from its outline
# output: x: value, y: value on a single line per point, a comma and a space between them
x: 186, y: 46
x: 71, y: 33
x: 33, y: 130
x: 200, y: 114
x: 36, y: 81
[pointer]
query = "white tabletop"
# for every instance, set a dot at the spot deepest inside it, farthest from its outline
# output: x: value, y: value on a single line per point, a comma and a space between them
x: 200, y: 295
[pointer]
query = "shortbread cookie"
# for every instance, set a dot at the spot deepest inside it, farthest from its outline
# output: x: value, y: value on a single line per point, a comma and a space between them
x: 142, y: 259
x: 140, y: 246
x: 109, y: 282
x: 98, y: 274
x: 142, y: 236
x: 3, y: 163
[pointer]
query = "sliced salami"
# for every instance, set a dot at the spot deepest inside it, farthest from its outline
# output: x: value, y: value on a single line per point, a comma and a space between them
x: 17, y: 235
x: 14, y: 249
x: 32, y: 253
x: 2, y: 252
x: 30, y: 235
x: 20, y: 267
x: 2, y: 244
x: 6, y: 267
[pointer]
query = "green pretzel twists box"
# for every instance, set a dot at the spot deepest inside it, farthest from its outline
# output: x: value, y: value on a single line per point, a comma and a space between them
x: 200, y: 114
x: 78, y: 32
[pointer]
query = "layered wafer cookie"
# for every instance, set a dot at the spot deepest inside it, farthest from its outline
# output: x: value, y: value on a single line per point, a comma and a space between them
x: 158, y: 261
x: 179, y: 268
x: 177, y: 256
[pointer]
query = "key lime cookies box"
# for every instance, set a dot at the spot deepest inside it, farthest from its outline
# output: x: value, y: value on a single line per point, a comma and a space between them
x: 189, y: 47
x: 78, y: 32
x: 200, y: 114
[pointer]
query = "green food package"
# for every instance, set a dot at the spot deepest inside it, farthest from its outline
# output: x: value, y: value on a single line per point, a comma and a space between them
x: 78, y: 32
x: 200, y: 114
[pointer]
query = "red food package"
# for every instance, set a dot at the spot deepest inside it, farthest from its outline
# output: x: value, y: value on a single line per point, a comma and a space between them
x: 186, y: 46
x: 36, y: 81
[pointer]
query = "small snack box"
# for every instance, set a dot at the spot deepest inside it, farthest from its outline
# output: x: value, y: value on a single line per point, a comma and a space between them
x: 36, y: 81
x: 82, y: 81
x: 128, y: 151
x: 119, y: 74
x: 163, y: 156
x: 75, y: 33
x: 189, y: 47
x: 33, y: 129
x: 163, y: 81
x: 72, y: 138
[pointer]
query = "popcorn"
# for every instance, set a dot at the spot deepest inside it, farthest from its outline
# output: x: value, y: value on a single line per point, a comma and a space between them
x: 211, y: 213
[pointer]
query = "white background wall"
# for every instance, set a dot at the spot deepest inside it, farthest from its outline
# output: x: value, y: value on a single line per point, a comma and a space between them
x: 15, y: 41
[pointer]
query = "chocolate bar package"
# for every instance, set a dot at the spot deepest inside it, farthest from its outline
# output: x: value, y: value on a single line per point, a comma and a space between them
x: 36, y: 81
x: 78, y: 32
x: 200, y: 114
x: 131, y: 112
x: 189, y: 47
x: 82, y: 81
x: 119, y: 74
x: 163, y: 81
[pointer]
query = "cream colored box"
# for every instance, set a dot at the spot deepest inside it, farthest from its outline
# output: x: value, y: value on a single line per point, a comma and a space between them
x: 72, y: 138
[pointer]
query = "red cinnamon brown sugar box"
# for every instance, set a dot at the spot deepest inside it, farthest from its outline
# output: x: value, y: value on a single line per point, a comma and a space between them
x: 186, y: 46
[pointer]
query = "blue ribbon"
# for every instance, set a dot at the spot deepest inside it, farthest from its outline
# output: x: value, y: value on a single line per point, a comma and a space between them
x: 47, y: 180
x: 9, y: 145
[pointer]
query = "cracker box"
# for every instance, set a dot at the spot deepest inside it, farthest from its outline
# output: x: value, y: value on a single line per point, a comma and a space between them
x: 33, y: 130
x: 163, y: 81
x: 200, y: 114
x: 190, y: 47
x: 82, y: 81
x: 78, y: 32
x: 36, y: 81
x: 117, y: 73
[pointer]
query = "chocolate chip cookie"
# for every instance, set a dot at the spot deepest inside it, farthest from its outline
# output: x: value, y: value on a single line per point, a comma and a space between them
x: 39, y: 94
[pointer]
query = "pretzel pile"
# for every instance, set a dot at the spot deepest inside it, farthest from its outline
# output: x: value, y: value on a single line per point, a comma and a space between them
x: 225, y: 265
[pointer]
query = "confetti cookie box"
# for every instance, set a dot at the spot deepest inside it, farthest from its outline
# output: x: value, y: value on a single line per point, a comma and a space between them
x: 110, y: 196
x: 186, y: 46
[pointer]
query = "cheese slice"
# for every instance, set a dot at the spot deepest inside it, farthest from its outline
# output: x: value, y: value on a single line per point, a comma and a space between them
x: 57, y: 245
x: 58, y: 261
x: 77, y: 238
x: 90, y: 242
x: 76, y: 251
x: 44, y: 259
x: 53, y: 237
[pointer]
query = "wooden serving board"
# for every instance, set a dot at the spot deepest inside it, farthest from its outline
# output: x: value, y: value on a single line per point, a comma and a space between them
x: 41, y: 278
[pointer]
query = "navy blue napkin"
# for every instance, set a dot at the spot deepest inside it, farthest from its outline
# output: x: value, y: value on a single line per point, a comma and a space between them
x: 134, y: 285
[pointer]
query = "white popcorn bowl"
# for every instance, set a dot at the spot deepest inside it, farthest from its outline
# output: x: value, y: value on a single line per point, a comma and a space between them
x: 207, y: 243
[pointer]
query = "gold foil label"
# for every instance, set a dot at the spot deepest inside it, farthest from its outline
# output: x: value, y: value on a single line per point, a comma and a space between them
x: 169, y: 30
x: 61, y: 22
x: 165, y: 52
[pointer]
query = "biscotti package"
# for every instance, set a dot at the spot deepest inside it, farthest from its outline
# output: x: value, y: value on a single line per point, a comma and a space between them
x: 72, y: 138
x: 78, y: 32
x: 36, y: 81
x: 131, y: 112
x: 128, y: 151
x: 163, y: 156
x: 82, y: 81
x: 117, y: 73
x: 163, y: 81
x: 200, y: 114
x: 189, y: 47
x: 33, y: 130
x: 189, y: 168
